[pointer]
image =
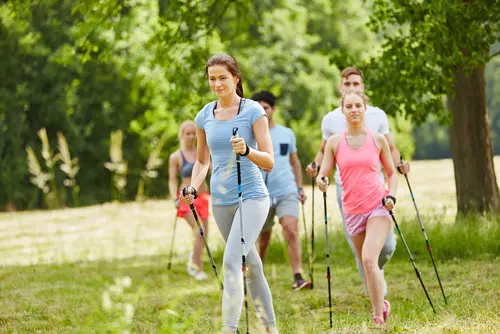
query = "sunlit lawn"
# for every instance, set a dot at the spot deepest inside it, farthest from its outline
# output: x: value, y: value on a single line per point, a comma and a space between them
x: 59, y: 266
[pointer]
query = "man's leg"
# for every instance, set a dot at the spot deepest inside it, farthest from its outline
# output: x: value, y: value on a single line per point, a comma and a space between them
x: 287, y: 209
x: 386, y: 254
x: 348, y: 238
x: 388, y: 249
x: 266, y: 233
x: 264, y: 241
x: 290, y: 226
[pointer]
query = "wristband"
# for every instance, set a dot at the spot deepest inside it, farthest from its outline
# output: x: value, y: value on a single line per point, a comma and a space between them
x: 247, y: 151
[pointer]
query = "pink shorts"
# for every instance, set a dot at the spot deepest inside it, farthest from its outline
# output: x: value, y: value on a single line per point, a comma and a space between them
x: 356, y: 223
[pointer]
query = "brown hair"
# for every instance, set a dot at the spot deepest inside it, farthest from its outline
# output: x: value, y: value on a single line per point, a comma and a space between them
x: 346, y: 72
x: 354, y: 92
x: 231, y: 65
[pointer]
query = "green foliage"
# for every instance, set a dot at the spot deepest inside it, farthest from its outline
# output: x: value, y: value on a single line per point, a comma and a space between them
x: 425, y: 44
x: 89, y: 68
x: 402, y: 134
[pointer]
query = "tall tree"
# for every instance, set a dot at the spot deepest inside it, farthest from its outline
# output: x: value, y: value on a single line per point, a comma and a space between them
x: 436, y: 49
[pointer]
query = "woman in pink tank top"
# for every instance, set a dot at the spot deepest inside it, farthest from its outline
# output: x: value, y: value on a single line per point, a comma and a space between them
x: 358, y: 152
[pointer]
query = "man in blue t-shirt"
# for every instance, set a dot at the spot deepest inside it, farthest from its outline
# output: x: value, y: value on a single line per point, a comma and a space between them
x: 284, y: 183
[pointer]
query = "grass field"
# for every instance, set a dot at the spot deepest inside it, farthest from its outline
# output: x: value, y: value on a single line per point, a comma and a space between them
x: 103, y: 269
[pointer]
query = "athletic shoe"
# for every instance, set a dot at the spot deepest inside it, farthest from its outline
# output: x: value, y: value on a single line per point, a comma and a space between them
x: 301, y: 284
x: 272, y: 330
x: 200, y: 276
x: 191, y: 268
x: 387, y: 309
x: 378, y: 321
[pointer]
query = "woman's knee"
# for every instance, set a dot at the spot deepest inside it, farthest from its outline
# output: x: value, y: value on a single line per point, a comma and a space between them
x: 254, y: 265
x: 369, y: 263
x: 232, y: 261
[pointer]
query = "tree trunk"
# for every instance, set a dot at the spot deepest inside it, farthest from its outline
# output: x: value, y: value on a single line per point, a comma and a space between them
x: 470, y: 144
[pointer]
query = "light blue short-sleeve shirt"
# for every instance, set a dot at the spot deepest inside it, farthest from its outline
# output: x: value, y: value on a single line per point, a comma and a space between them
x: 224, y: 180
x: 281, y: 180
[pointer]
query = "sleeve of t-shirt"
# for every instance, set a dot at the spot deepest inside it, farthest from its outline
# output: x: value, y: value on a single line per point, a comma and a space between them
x: 384, y: 123
x: 324, y: 128
x: 256, y: 112
x: 200, y: 118
x: 293, y: 142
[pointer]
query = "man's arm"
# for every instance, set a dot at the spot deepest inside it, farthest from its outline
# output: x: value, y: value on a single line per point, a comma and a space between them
x: 296, y: 169
x: 403, y: 166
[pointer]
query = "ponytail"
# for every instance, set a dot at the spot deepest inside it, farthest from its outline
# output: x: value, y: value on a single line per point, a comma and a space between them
x: 239, y: 88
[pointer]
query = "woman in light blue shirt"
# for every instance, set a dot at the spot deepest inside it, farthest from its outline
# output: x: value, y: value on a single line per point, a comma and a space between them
x: 215, y: 122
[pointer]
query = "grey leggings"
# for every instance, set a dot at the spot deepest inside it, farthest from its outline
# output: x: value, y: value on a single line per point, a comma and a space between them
x: 255, y: 211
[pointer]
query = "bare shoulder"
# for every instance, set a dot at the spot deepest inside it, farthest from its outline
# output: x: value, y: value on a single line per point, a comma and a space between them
x: 333, y: 142
x: 174, y: 156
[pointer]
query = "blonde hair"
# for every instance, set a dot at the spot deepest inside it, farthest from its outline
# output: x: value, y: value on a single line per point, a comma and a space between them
x: 351, y: 92
x: 183, y: 127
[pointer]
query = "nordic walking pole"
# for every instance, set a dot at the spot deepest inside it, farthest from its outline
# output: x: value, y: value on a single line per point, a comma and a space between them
x: 327, y: 256
x: 243, y: 257
x: 409, y: 254
x: 306, y: 244
x: 311, y: 262
x: 193, y: 210
x: 172, y: 242
x: 428, y: 246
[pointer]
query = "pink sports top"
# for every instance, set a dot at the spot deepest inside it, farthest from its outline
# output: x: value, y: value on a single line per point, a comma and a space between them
x: 362, y: 189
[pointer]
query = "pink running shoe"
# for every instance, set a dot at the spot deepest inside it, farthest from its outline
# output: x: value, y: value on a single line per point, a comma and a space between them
x: 387, y: 309
x: 378, y: 321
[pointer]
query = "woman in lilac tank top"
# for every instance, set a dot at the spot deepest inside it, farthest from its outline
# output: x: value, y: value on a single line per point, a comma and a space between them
x: 357, y: 152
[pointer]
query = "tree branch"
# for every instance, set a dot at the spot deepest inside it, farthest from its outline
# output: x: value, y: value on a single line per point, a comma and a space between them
x: 493, y: 55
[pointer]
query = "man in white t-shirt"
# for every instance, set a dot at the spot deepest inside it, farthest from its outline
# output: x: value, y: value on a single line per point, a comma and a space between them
x: 376, y: 120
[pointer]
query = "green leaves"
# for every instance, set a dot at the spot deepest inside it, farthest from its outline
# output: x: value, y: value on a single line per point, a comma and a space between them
x: 425, y: 43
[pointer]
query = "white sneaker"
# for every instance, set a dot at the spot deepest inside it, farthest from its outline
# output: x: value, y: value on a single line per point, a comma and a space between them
x: 191, y: 269
x: 200, y: 276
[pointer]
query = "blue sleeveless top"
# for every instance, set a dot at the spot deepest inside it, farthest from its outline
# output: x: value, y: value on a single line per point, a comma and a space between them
x: 186, y: 168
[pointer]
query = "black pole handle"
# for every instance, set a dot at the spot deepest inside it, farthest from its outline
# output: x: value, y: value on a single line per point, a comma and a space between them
x: 187, y: 191
x: 317, y: 167
x: 235, y: 131
x: 383, y: 203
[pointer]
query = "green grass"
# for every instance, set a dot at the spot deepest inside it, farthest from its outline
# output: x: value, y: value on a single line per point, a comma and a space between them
x: 58, y: 267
